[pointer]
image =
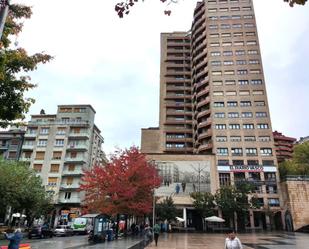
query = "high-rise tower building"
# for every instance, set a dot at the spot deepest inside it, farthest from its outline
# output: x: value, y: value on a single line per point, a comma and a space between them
x: 59, y: 148
x: 213, y: 99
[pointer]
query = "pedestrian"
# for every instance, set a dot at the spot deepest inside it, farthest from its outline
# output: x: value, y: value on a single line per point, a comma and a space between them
x: 147, y: 234
x: 177, y: 188
x: 14, y: 238
x: 232, y: 242
x: 156, y: 231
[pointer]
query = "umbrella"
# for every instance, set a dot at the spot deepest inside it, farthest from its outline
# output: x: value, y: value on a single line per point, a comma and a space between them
x: 180, y: 219
x: 17, y: 215
x: 214, y: 219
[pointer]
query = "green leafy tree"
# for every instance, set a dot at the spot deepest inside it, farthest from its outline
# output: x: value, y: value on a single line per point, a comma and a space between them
x: 299, y: 164
x: 166, y: 210
x: 22, y: 190
x: 204, y: 203
x: 15, y: 64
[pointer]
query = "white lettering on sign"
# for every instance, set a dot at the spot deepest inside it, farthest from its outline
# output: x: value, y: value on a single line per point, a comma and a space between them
x: 246, y: 168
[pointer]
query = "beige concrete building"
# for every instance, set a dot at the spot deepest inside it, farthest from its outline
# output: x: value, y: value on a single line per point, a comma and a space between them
x: 213, y: 101
x: 59, y: 147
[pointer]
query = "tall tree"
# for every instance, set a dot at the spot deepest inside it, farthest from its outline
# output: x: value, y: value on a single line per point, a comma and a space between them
x: 124, y: 186
x: 15, y: 64
x: 204, y: 203
x: 21, y: 189
x: 166, y: 210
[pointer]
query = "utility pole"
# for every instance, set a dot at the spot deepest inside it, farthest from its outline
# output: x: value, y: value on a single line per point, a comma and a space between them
x: 4, y: 10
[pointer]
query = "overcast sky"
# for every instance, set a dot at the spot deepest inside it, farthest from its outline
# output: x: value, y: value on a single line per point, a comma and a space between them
x: 113, y: 64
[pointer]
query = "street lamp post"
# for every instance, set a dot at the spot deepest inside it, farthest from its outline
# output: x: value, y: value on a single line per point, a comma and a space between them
x: 4, y: 10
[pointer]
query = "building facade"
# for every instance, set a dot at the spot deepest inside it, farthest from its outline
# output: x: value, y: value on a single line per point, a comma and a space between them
x: 11, y: 142
x: 59, y: 147
x: 213, y: 101
x: 284, y: 146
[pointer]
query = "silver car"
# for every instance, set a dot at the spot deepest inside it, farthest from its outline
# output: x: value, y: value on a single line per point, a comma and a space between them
x: 63, y: 230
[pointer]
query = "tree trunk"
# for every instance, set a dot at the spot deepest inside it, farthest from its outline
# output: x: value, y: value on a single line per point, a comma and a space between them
x: 117, y: 227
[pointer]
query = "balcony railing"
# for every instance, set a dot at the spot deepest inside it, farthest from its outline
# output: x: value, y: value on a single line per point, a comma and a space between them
x: 75, y: 159
x: 69, y: 186
x: 72, y: 172
x: 71, y: 200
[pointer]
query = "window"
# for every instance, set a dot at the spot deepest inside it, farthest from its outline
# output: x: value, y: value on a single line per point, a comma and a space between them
x: 225, y: 26
x: 237, y: 26
x: 213, y: 26
x: 262, y: 126
x: 252, y: 52
x: 214, y: 35
x: 249, y: 139
x: 246, y: 115
x: 220, y: 126
x: 245, y: 103
x: 254, y: 62
x: 271, y: 189
x: 57, y: 155
x: 61, y: 130
x: 238, y: 34
x: 67, y: 195
x: 71, y: 167
x: 217, y: 83
x: 218, y: 93
x: 216, y: 73
x: 218, y: 104
x: 223, y: 9
x: 226, y: 44
x: 27, y: 154
x: 261, y: 114
x: 221, y: 139
x: 234, y: 126
x: 233, y: 115
x: 242, y: 72
x: 236, y: 152
x: 235, y: 17
x: 235, y: 9
x: 52, y: 181
x: 250, y: 33
x: 232, y: 103
x: 229, y: 72
x: 216, y: 63
x: 238, y: 162
x: 251, y: 151
x: 70, y: 180
x: 214, y: 44
x: 241, y: 62
x: 224, y: 179
x: 235, y: 139
x: 249, y: 25
x: 228, y: 63
x: 213, y: 18
x: 219, y: 115
x: 54, y: 168
x: 224, y: 17
x: 255, y: 71
x: 230, y: 82
x: 259, y: 103
x: 44, y: 131
x: 251, y: 43
x: 248, y: 16
x: 222, y: 151
x: 248, y: 126
x: 264, y: 139
x: 59, y: 142
x: 240, y: 52
x: 239, y: 43
x: 215, y: 53
x: 223, y: 163
x: 37, y: 167
x: 42, y: 143
x: 227, y: 53
x: 39, y: 155
x: 253, y: 162
x: 243, y: 82
x: 256, y: 82
x: 226, y: 35
x: 268, y: 163
x: 273, y: 202
x: 212, y: 10
x: 244, y: 93
x: 231, y: 93
x: 266, y: 151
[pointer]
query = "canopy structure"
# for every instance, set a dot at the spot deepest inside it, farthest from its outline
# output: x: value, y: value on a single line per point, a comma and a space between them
x: 90, y: 215
x: 180, y: 219
x: 214, y: 219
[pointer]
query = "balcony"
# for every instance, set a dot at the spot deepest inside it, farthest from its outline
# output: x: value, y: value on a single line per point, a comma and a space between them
x: 179, y: 150
x: 27, y: 147
x: 81, y: 147
x: 203, y: 92
x: 203, y: 82
x: 204, y: 135
x: 66, y: 187
x: 85, y: 135
x: 175, y: 121
x: 204, y: 124
x: 4, y: 147
x: 75, y: 159
x: 30, y: 135
x: 69, y: 201
x: 203, y: 114
x: 203, y: 102
x: 25, y: 159
x: 76, y: 172
x: 204, y: 147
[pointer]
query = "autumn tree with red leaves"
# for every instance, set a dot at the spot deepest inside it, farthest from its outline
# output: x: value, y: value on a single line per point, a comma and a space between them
x: 124, y: 186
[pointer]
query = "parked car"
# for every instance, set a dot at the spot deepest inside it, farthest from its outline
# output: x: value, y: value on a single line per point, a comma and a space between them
x: 63, y: 230
x: 40, y: 232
